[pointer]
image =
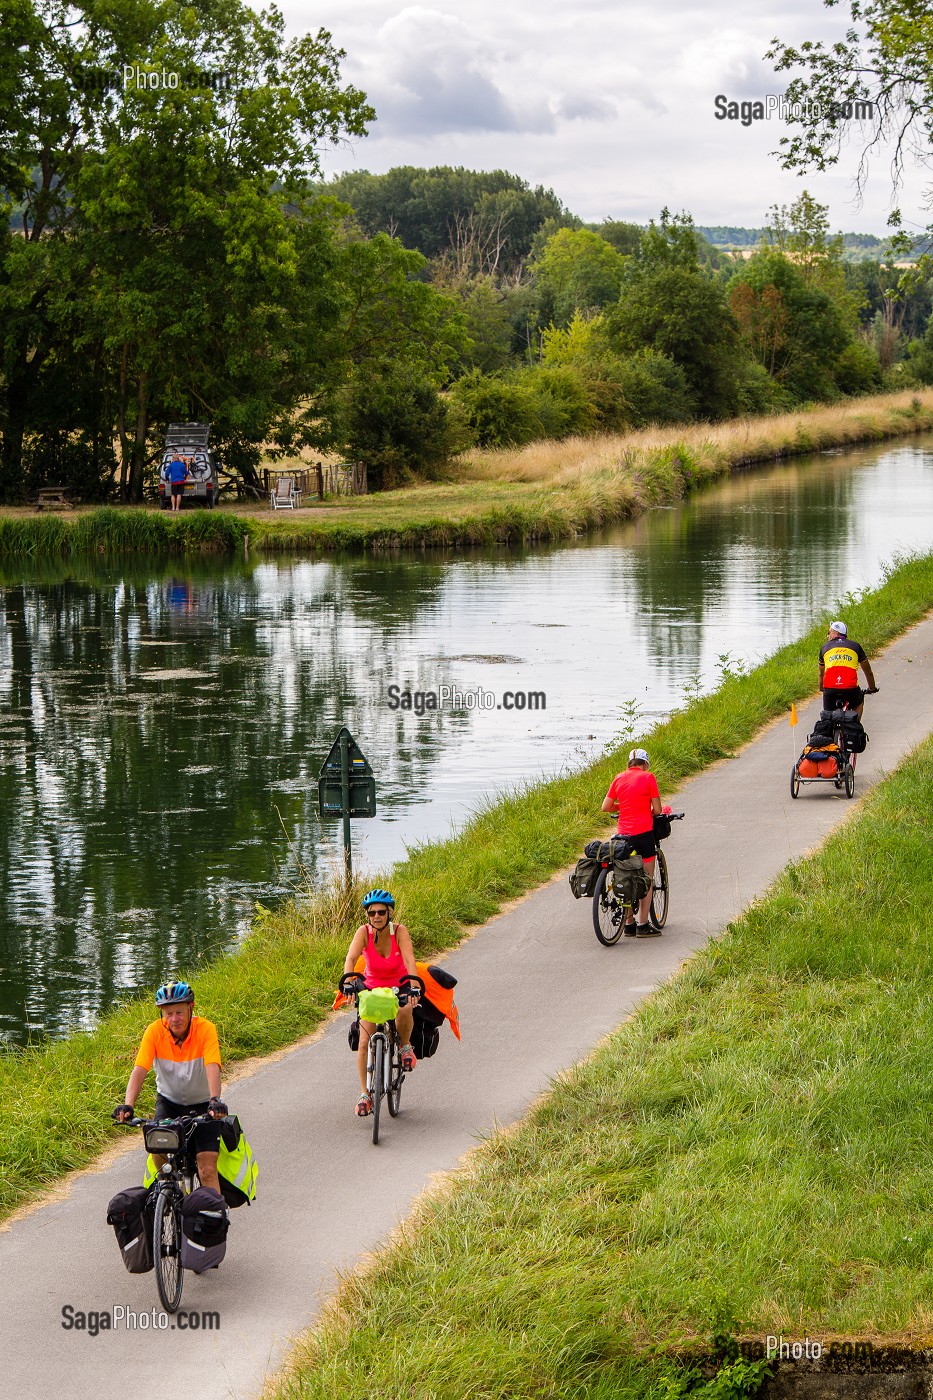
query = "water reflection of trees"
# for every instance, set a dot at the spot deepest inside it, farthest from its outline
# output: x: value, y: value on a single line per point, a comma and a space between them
x: 785, y: 535
x: 154, y: 729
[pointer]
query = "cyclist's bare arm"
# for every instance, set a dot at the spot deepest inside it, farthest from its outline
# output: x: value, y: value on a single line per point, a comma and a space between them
x: 656, y: 806
x: 866, y: 667
x: 136, y: 1081
x: 608, y: 803
x: 403, y: 939
x: 355, y: 949
x: 822, y: 673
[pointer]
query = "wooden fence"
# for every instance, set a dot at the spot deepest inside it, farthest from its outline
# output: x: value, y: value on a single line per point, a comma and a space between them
x: 334, y: 479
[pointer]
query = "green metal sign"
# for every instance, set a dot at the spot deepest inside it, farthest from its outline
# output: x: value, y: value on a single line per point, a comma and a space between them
x: 346, y: 787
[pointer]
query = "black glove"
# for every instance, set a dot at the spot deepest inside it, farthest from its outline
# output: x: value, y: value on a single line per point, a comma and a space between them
x: 218, y: 1108
x: 120, y: 1109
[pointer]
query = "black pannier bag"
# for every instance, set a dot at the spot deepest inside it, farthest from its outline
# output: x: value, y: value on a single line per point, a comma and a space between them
x: 661, y: 827
x: 426, y: 1027
x: 130, y: 1214
x: 353, y: 1035
x: 629, y: 880
x: 426, y: 1030
x: 854, y: 737
x: 204, y: 1225
x: 583, y: 877
x: 823, y: 729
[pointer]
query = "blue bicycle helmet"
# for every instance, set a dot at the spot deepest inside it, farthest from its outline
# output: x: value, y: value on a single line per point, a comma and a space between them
x: 378, y: 897
x: 174, y: 994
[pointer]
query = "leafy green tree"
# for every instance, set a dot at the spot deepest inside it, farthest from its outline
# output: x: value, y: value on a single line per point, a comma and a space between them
x: 646, y: 387
x: 397, y: 424
x: 920, y: 356
x: 794, y: 330
x: 481, y: 222
x: 878, y: 74
x: 500, y: 412
x: 858, y: 368
x: 670, y: 305
x: 169, y: 215
x: 624, y: 237
x: 577, y: 270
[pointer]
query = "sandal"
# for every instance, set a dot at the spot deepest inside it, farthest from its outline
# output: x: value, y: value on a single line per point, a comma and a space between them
x: 364, y: 1105
x: 408, y: 1059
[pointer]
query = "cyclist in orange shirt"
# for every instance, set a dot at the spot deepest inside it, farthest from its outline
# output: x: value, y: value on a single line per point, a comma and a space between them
x: 635, y: 793
x: 186, y: 1055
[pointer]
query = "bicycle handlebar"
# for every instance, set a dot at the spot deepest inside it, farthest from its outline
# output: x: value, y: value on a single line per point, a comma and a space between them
x: 188, y: 1119
x: 413, y: 983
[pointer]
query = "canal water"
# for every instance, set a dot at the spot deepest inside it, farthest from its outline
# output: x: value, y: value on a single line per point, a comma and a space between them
x: 162, y: 724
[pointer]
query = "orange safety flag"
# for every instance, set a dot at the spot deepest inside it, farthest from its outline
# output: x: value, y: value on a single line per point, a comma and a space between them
x: 793, y: 716
x: 441, y: 997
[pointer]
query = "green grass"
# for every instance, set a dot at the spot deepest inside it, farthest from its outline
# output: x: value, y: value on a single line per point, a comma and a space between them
x: 752, y: 1148
x: 558, y: 490
x: 110, y: 530
x: 55, y: 1100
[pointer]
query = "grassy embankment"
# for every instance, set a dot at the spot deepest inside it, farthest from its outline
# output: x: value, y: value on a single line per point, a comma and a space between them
x: 55, y: 1100
x: 545, y: 491
x: 751, y: 1151
x: 556, y: 490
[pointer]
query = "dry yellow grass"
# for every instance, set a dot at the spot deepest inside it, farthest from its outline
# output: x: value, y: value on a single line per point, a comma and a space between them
x: 739, y: 439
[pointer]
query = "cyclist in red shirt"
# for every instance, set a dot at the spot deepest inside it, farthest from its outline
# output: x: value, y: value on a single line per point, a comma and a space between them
x: 635, y: 793
x: 840, y: 659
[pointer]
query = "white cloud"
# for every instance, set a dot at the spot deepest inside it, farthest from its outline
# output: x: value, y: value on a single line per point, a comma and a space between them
x: 611, y: 105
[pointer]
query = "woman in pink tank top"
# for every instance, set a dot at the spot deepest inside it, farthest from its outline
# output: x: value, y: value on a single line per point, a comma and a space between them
x: 389, y: 958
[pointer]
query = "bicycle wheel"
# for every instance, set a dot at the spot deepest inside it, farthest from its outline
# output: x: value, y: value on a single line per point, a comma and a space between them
x: 794, y: 782
x: 378, y: 1084
x: 396, y: 1076
x: 608, y: 914
x: 166, y: 1250
x: 850, y: 780
x: 657, y: 911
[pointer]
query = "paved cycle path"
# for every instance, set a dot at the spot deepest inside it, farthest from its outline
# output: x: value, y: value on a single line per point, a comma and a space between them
x: 536, y: 992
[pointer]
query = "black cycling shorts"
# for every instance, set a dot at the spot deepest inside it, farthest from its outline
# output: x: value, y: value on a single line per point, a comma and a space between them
x: 644, y: 844
x: 206, y: 1135
x: 835, y: 699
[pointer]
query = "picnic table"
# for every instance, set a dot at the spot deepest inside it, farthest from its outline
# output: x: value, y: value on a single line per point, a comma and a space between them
x: 54, y: 498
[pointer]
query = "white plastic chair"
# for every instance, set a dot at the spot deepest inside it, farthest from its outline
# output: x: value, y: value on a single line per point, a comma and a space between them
x: 285, y: 494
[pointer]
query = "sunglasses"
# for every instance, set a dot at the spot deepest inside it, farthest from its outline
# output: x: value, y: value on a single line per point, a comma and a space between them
x: 379, y: 913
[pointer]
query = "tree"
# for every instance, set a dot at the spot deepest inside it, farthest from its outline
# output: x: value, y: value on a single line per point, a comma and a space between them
x: 879, y: 72
x: 577, y: 270
x: 170, y: 214
x: 668, y: 304
x: 793, y: 329
x: 482, y: 222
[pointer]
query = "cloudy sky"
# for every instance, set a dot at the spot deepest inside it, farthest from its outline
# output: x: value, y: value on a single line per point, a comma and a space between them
x: 611, y: 104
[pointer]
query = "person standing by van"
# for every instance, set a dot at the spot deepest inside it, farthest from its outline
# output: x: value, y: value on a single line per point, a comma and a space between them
x: 177, y: 475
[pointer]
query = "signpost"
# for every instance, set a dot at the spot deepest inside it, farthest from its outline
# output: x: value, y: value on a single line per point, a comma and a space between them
x: 346, y: 788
